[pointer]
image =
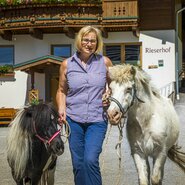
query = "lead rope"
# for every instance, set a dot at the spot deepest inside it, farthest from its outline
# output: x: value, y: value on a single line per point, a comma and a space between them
x: 118, y: 147
x: 67, y: 131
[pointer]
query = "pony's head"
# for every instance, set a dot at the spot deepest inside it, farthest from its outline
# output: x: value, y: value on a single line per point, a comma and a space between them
x: 37, y: 123
x: 128, y: 84
x: 41, y: 123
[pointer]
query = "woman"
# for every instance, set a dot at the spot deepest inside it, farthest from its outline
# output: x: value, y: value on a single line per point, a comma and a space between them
x: 82, y: 82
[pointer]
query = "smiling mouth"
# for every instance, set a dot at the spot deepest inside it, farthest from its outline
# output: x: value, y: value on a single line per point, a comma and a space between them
x: 88, y: 48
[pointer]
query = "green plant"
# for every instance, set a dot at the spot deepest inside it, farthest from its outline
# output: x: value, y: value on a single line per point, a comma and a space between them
x: 34, y: 102
x: 18, y: 2
x: 6, y: 69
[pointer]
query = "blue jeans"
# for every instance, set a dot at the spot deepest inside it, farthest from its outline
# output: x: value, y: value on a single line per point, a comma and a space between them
x: 85, y: 143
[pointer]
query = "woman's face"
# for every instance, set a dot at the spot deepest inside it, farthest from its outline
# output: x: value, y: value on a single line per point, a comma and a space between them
x: 89, y: 43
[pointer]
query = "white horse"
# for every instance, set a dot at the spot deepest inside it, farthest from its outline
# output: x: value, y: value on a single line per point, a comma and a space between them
x: 152, y: 123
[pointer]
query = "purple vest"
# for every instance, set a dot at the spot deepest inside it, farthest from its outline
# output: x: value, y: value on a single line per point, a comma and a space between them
x: 86, y: 86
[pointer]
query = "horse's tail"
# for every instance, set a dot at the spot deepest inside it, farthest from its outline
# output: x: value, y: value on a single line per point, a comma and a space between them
x: 177, y: 156
x: 17, y: 146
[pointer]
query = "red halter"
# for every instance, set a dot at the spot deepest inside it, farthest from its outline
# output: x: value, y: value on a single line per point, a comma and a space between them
x: 46, y: 141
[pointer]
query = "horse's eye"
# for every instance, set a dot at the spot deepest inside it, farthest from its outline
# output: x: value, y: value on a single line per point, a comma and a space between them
x: 129, y: 90
x: 52, y: 117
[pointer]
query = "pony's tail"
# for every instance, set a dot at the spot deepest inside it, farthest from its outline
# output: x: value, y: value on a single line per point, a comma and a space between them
x: 177, y: 156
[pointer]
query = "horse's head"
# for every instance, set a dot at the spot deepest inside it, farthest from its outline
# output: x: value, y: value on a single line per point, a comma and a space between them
x: 123, y: 89
x: 129, y: 83
x: 44, y: 126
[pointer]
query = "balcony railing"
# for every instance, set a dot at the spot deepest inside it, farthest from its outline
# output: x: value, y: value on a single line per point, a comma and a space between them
x: 21, y: 2
x: 36, y: 17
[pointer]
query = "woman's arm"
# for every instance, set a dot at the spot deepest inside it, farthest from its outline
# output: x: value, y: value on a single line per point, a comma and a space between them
x: 62, y: 92
x: 107, y: 92
x: 108, y: 64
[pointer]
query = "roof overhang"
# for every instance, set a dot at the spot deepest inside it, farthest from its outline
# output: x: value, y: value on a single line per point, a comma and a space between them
x: 39, y: 64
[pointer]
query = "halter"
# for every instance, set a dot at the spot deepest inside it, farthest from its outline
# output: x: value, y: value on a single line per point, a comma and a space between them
x: 133, y: 99
x: 46, y: 141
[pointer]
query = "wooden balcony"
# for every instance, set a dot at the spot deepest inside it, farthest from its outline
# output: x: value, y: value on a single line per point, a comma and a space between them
x: 119, y: 11
x: 39, y: 18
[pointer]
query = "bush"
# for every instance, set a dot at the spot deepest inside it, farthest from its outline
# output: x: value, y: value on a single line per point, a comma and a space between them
x: 6, y: 69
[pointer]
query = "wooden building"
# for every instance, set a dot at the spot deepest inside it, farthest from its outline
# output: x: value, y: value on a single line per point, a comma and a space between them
x: 37, y: 35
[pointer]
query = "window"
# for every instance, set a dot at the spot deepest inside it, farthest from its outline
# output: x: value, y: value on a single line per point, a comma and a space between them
x: 6, y: 55
x: 132, y: 54
x: 114, y: 53
x: 129, y: 53
x: 61, y: 50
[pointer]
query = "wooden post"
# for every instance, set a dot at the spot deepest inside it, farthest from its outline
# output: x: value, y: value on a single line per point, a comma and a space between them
x: 32, y: 79
x: 33, y: 95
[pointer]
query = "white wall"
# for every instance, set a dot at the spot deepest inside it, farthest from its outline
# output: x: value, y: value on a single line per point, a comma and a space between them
x: 120, y: 37
x: 159, y: 45
x: 28, y: 48
x: 13, y: 93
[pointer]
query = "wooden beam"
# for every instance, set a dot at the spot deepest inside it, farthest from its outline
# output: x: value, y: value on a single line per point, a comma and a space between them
x: 36, y: 33
x: 32, y: 79
x: 136, y: 31
x: 6, y: 34
x: 104, y: 32
x: 69, y: 32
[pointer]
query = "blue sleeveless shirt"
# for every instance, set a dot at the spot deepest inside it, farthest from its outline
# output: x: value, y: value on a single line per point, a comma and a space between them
x: 85, y: 89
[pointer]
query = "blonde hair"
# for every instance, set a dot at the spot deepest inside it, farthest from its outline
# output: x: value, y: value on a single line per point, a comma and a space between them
x: 84, y: 31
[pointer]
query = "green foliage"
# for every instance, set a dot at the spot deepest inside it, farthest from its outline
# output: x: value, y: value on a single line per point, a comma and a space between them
x: 18, y: 2
x: 34, y: 102
x: 6, y: 69
x: 3, y: 2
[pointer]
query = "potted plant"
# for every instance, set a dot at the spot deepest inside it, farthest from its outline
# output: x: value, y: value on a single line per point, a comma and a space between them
x: 6, y: 70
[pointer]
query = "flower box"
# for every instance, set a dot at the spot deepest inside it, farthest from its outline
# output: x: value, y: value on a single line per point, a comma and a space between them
x: 12, y: 74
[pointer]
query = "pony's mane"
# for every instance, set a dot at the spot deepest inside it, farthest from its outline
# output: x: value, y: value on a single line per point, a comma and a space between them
x: 125, y: 73
x: 21, y: 131
x: 121, y: 73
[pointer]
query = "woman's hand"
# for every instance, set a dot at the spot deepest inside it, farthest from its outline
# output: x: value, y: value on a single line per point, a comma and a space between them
x: 62, y: 117
x: 105, y: 98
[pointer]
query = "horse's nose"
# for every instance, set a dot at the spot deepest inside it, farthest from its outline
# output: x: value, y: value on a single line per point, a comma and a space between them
x: 60, y: 148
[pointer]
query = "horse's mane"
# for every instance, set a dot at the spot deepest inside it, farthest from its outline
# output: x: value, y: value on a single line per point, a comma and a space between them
x: 125, y: 73
x: 21, y: 131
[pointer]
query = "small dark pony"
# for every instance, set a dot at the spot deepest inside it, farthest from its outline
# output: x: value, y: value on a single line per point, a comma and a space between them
x: 34, y: 142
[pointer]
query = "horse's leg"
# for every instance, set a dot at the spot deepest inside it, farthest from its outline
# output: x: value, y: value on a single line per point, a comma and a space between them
x: 158, y: 169
x: 19, y: 182
x: 143, y: 169
x: 43, y: 178
x: 51, y: 174
x: 36, y: 178
x: 28, y: 183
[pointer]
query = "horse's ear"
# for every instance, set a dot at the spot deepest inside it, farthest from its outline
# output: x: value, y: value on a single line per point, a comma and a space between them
x: 29, y: 112
x: 133, y: 70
